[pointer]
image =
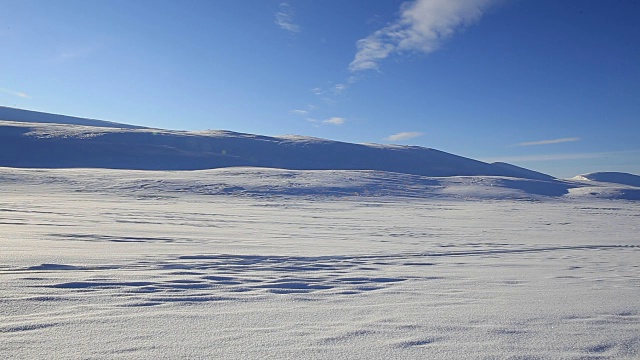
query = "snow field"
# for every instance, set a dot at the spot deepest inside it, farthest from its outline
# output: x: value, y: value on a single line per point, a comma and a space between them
x: 151, y: 268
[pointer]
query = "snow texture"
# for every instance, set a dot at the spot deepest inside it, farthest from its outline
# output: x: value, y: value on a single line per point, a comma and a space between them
x: 263, y: 263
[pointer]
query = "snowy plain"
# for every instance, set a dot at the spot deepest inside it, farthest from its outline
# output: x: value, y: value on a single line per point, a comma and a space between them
x: 246, y: 263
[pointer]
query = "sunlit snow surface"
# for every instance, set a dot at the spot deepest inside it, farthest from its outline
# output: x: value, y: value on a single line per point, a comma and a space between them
x: 257, y: 263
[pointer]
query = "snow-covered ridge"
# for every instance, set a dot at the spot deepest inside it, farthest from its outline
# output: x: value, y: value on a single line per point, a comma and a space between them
x: 52, y: 145
x: 38, y: 140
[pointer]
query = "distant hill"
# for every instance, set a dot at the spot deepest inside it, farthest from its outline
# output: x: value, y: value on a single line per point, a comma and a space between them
x: 612, y: 177
x: 85, y: 143
x: 20, y: 115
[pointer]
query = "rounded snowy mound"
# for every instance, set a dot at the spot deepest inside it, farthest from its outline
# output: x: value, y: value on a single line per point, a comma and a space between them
x: 612, y: 177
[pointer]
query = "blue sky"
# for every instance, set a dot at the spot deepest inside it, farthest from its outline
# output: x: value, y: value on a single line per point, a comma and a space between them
x: 550, y: 85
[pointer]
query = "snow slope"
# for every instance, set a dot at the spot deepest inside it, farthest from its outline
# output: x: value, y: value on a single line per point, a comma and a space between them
x: 20, y: 115
x: 41, y: 145
x: 252, y: 182
x: 247, y: 263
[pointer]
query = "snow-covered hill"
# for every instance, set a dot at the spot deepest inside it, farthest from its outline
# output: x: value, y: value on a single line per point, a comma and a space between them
x: 39, y: 140
x: 51, y: 145
x: 304, y: 248
x: 611, y: 177
x: 608, y: 185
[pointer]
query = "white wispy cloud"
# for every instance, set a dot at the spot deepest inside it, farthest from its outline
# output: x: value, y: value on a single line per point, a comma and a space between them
x: 561, y: 157
x: 331, y: 89
x: 339, y: 88
x: 299, y: 112
x: 330, y: 121
x: 422, y: 26
x: 547, y: 142
x: 15, y: 93
x: 284, y: 18
x: 546, y: 157
x: 404, y: 136
x: 335, y: 121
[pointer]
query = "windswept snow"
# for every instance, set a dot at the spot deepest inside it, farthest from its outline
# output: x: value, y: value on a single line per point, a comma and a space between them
x: 251, y: 182
x: 261, y: 263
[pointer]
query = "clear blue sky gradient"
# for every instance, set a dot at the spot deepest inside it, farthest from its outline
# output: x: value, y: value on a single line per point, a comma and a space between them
x: 550, y: 85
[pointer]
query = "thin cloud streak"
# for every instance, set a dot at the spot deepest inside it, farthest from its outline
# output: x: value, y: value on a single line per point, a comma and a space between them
x: 404, y: 136
x: 560, y: 157
x: 284, y: 18
x: 331, y: 89
x: 330, y: 121
x: 335, y: 121
x: 547, y: 142
x: 339, y: 88
x: 299, y: 112
x: 15, y: 93
x: 422, y: 27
